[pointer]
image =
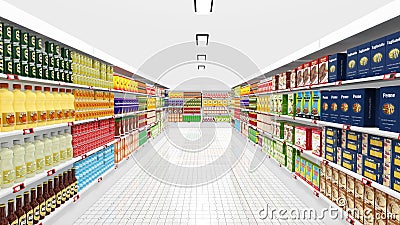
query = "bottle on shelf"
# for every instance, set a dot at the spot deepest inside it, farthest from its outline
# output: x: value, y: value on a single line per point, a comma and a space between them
x: 57, y: 105
x: 63, y: 148
x: 41, y: 106
x: 71, y: 105
x: 7, y: 165
x: 57, y: 191
x: 48, y: 152
x: 64, y: 105
x: 30, y: 159
x: 3, y: 218
x: 28, y: 209
x: 41, y: 201
x: 66, y: 186
x: 35, y: 206
x: 71, y: 184
x: 55, y: 143
x: 19, y: 161
x: 30, y: 105
x: 68, y: 144
x: 52, y: 195
x: 49, y: 104
x: 11, y: 217
x: 47, y: 197
x: 74, y: 181
x: 62, y: 188
x: 19, y: 212
x: 39, y: 155
x: 6, y: 108
x: 19, y: 107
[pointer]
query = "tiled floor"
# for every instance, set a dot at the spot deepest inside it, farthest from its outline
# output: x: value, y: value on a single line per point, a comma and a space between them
x: 188, y: 181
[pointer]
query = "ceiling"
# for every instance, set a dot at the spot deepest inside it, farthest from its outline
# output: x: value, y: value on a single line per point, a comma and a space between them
x: 158, y: 36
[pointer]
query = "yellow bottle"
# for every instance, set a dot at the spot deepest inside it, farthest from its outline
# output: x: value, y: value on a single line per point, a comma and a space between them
x: 7, y: 165
x: 63, y: 147
x: 64, y: 106
x: 41, y: 106
x: 39, y: 155
x: 57, y: 105
x: 55, y: 143
x: 30, y: 158
x: 19, y: 161
x: 49, y: 104
x: 71, y: 105
x: 48, y: 152
x: 6, y: 108
x: 30, y: 105
x: 19, y: 107
x: 68, y: 144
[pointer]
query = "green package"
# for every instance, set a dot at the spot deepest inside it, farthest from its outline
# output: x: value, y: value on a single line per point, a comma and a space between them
x: 299, y: 104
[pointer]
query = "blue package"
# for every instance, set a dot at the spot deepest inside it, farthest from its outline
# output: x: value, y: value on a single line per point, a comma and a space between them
x: 345, y: 107
x: 337, y: 67
x: 325, y: 106
x: 378, y: 57
x: 393, y: 53
x: 364, y: 60
x: 362, y: 107
x: 373, y: 163
x: 353, y: 146
x: 331, y: 157
x: 334, y: 107
x: 350, y: 165
x: 351, y: 70
x: 372, y: 174
x: 389, y: 102
x: 349, y: 155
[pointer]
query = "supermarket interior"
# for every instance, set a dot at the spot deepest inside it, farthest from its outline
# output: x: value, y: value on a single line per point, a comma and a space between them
x: 199, y: 112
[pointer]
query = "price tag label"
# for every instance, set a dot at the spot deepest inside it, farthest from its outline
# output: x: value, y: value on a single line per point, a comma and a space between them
x: 51, y: 172
x: 390, y: 76
x: 366, y: 182
x: 338, y: 83
x: 76, y: 197
x: 18, y: 188
x: 28, y: 131
x: 12, y: 77
x: 99, y: 179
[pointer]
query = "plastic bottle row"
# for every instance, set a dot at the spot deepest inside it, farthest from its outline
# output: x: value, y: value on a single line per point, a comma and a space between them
x: 22, y: 109
x: 41, y: 201
x: 24, y: 160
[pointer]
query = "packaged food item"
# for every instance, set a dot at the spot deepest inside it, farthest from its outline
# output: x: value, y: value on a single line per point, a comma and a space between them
x: 380, y: 201
x: 307, y: 104
x: 389, y: 102
x: 303, y: 136
x: 293, y: 78
x: 299, y: 76
x: 325, y: 106
x: 369, y: 196
x: 316, y: 105
x: 362, y: 113
x: 284, y: 81
x: 323, y: 69
x: 291, y: 105
x: 344, y: 102
x: 352, y: 65
x: 393, y: 207
x: 359, y: 208
x: 359, y: 190
x: 314, y: 72
x: 393, y: 53
x: 306, y: 73
x: 350, y: 186
x: 378, y: 57
x: 299, y: 104
x: 364, y: 60
x: 316, y: 142
x: 8, y: 119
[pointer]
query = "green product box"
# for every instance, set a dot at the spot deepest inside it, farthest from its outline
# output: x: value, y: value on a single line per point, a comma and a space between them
x: 7, y: 50
x: 50, y: 74
x: 16, y: 36
x: 32, y: 71
x: 61, y: 64
x: 32, y: 57
x: 45, y: 58
x: 309, y: 172
x: 45, y: 73
x: 280, y: 147
x: 32, y: 43
x: 49, y: 48
x: 16, y: 52
x: 39, y: 72
x: 24, y: 39
x: 307, y: 104
x: 16, y: 67
x: 299, y: 104
x: 65, y: 53
x: 7, y: 33
x: 51, y: 63
x: 291, y: 104
x: 39, y: 45
x: 282, y: 104
x: 316, y: 105
x: 24, y: 54
x: 1, y: 48
x: 57, y: 75
x: 1, y: 30
x: 1, y: 65
x: 278, y: 129
x: 8, y: 66
x: 57, y: 50
x: 24, y: 69
x: 297, y: 164
x: 39, y: 59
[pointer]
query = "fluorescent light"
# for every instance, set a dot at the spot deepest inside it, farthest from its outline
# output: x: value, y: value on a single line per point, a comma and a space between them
x: 203, y: 7
x: 201, y: 67
x: 202, y: 38
x: 201, y: 57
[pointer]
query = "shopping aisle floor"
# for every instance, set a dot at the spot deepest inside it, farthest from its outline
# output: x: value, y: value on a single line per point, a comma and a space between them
x: 193, y: 175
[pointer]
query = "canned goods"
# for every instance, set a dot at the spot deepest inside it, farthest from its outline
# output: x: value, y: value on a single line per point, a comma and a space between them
x: 1, y: 30
x: 45, y: 73
x: 50, y: 74
x: 1, y: 65
x: 57, y: 75
x: 17, y: 67
x: 45, y: 60
x: 57, y: 50
x: 49, y: 47
x: 1, y: 48
x: 51, y: 62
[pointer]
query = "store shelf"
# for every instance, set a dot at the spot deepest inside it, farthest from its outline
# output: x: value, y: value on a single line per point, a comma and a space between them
x: 49, y: 173
x: 136, y: 112
x: 90, y: 120
x: 32, y: 131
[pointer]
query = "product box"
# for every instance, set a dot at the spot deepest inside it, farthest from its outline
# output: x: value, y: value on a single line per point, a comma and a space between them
x: 335, y: 194
x: 328, y: 189
x: 348, y: 164
x: 350, y: 203
x: 339, y: 155
x: 307, y: 104
x: 328, y: 173
x: 364, y: 60
x: 280, y: 147
x: 303, y: 137
x: 380, y: 201
x: 282, y: 104
x: 373, y: 175
x: 299, y: 76
x: 354, y: 146
x: 335, y: 177
x: 323, y: 69
x: 323, y: 170
x: 322, y: 186
x: 335, y: 111
x: 394, y: 208
x: 378, y: 57
x: 291, y: 107
x: 359, y: 209
x: 362, y: 103
x: 297, y: 164
x: 359, y: 190
x: 344, y: 112
x: 309, y: 172
x: 275, y: 82
x: 369, y: 217
x: 306, y: 73
x: 360, y: 163
x: 349, y: 155
x: 284, y: 81
x: 314, y: 78
x: 316, y: 142
x: 303, y: 167
x: 350, y: 184
x: 299, y: 104
x: 391, y: 149
x: 333, y: 141
x: 373, y: 164
x: 337, y: 67
x: 342, y: 195
x: 325, y: 106
x: 369, y: 196
x: 316, y: 178
x: 389, y: 102
x: 289, y: 133
x: 392, y: 53
x: 7, y: 33
x: 330, y: 153
x: 293, y: 78
x: 278, y: 129
x: 316, y: 105
x: 352, y: 57
x: 374, y: 142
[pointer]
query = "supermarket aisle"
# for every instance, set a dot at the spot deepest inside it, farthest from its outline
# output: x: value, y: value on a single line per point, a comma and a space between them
x: 196, y: 185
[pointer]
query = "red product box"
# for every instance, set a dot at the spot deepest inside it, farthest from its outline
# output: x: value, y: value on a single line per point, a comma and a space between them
x: 293, y: 78
x: 275, y: 81
x: 314, y: 79
x: 306, y: 73
x: 323, y: 69
x: 303, y: 137
x: 299, y: 76
x: 284, y: 80
x: 317, y: 142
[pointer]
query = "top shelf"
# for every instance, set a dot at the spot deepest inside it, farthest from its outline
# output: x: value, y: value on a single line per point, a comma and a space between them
x: 378, y: 23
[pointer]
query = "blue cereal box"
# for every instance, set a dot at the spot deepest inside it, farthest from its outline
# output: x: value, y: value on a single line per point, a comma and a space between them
x: 299, y: 104
x: 350, y: 165
x: 344, y: 104
x: 349, y: 155
x: 325, y: 106
x: 307, y: 104
x: 389, y: 104
x: 362, y: 107
x: 378, y: 57
x: 372, y: 174
x: 393, y: 53
x: 373, y: 164
x: 333, y: 132
x: 337, y: 67
x: 364, y: 60
x: 334, y: 107
x: 351, y: 70
x: 316, y: 105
